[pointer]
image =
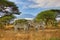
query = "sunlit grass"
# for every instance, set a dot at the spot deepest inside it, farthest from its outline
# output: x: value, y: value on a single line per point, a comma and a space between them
x: 47, y: 34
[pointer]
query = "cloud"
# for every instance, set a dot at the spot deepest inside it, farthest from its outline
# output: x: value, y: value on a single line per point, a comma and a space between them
x: 21, y: 4
x: 45, y: 3
x: 16, y: 2
x: 38, y: 3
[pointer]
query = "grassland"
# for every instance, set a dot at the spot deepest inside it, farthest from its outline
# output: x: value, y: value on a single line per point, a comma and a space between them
x: 46, y: 34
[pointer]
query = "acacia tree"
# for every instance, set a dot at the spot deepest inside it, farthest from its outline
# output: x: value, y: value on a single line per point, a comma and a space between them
x: 7, y: 11
x: 47, y: 16
x: 8, y: 7
x: 20, y: 21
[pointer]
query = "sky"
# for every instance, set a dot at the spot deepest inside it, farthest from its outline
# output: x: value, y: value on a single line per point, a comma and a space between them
x: 33, y: 7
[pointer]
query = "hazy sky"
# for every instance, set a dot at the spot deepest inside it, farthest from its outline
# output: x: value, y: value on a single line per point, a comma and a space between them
x: 33, y: 7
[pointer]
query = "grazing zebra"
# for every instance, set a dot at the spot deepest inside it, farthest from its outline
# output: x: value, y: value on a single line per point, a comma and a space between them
x: 20, y: 26
x: 42, y: 24
x: 26, y: 26
x: 33, y: 24
x: 37, y: 25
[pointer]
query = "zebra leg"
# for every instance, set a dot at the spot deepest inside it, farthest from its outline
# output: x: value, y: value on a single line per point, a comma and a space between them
x: 36, y: 28
x: 43, y: 27
x: 24, y: 29
x: 15, y: 29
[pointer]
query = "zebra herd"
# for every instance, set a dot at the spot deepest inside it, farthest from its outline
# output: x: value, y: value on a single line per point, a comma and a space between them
x: 26, y: 26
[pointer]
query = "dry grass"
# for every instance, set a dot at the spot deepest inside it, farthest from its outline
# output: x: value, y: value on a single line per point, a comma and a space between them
x: 30, y: 35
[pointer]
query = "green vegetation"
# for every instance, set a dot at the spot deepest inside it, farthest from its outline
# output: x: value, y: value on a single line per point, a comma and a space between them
x: 5, y: 3
x: 8, y: 16
x: 21, y: 21
x: 54, y: 38
x: 46, y: 16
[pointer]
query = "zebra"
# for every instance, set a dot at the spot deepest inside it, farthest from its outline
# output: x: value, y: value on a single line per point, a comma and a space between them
x: 37, y: 25
x: 21, y: 25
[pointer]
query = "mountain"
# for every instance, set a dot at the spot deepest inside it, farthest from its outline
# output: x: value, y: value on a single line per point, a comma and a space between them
x: 26, y: 16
